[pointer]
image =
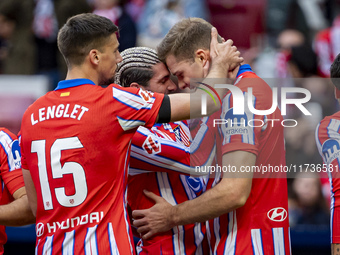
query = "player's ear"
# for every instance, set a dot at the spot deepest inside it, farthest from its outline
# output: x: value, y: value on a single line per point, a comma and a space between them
x: 202, y: 56
x: 135, y: 85
x: 94, y: 56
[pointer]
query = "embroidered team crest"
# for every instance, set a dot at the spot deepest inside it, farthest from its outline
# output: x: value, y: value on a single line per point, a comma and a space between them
x: 151, y: 146
x: 181, y: 135
x: 146, y: 95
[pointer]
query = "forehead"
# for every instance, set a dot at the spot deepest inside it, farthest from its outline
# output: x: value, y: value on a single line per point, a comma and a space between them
x: 160, y: 69
x: 175, y: 65
x: 112, y: 41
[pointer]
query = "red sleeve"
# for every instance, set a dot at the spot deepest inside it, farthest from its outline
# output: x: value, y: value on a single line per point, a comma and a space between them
x: 10, y: 163
x: 328, y: 143
x: 142, y: 110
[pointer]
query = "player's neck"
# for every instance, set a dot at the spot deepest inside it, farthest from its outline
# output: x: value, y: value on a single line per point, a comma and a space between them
x: 80, y: 73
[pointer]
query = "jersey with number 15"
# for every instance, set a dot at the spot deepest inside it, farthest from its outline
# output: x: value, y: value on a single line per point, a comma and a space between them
x: 75, y: 143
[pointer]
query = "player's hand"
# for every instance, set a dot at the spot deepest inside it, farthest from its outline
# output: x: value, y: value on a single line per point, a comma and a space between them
x: 233, y: 73
x: 224, y: 56
x: 155, y: 219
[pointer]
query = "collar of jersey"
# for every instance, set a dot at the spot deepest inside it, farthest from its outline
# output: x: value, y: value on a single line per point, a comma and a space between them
x: 243, y: 68
x: 73, y: 83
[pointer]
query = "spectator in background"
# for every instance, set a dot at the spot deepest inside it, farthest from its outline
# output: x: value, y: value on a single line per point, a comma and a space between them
x: 17, y: 52
x: 327, y: 46
x: 287, y: 39
x: 160, y: 15
x: 114, y: 10
x: 302, y: 67
x: 302, y: 61
x: 279, y: 55
x: 307, y: 204
x: 135, y: 8
x: 48, y: 16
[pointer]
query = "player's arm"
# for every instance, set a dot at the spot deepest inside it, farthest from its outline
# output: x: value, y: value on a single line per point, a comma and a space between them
x: 17, y: 213
x: 224, y: 57
x: 229, y: 194
x: 152, y: 152
x: 325, y: 143
x: 31, y: 192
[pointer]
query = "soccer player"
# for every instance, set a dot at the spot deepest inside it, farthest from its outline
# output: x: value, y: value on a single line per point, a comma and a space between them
x: 160, y: 154
x: 328, y: 141
x: 17, y: 212
x: 76, y: 141
x: 252, y: 210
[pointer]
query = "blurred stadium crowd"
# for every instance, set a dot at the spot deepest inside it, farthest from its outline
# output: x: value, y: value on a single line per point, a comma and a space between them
x: 289, y: 43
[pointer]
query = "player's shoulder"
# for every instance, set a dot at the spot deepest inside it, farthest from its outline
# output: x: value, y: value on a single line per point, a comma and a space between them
x: 328, y: 128
x: 41, y: 101
x: 247, y: 78
x: 7, y: 139
x: 5, y: 133
x: 332, y: 120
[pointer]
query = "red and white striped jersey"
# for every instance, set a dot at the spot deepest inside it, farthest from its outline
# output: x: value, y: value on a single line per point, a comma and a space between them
x: 156, y: 155
x: 11, y: 175
x: 260, y: 226
x: 76, y: 143
x: 327, y: 138
x: 327, y: 47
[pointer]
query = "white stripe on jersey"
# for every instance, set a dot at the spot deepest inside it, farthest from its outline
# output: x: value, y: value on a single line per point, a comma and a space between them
x: 91, y: 241
x: 135, y: 171
x: 132, y: 100
x: 165, y: 191
x: 225, y: 108
x: 196, y: 142
x: 333, y: 129
x: 230, y: 245
x: 208, y: 235
x: 217, y: 233
x: 278, y: 239
x: 332, y: 205
x: 6, y: 142
x: 127, y: 225
x: 37, y: 247
x: 178, y: 240
x: 165, y: 188
x: 256, y: 240
x: 168, y: 163
x: 68, y: 243
x: 126, y: 169
x: 129, y: 124
x: 47, y: 249
x: 197, y: 228
x: 112, y: 240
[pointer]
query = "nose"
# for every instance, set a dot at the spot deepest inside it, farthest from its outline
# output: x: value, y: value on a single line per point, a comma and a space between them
x: 171, y: 86
x: 119, y: 58
x: 182, y: 84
